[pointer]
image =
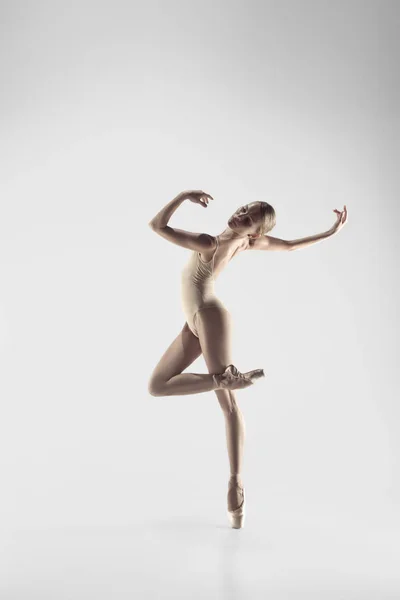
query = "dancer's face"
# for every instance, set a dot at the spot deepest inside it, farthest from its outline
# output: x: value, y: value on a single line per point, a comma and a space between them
x: 247, y: 219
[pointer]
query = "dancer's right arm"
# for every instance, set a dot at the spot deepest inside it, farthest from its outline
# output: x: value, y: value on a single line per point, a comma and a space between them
x: 197, y: 196
x: 199, y: 242
x: 161, y: 219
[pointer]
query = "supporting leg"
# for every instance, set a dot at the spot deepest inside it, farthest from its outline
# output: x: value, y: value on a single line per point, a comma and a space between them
x: 215, y: 333
x: 235, y: 430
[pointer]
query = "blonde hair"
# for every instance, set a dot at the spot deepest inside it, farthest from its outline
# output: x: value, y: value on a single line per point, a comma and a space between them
x: 268, y: 218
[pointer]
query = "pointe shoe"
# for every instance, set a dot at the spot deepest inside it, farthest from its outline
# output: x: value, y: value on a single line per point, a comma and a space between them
x: 236, y: 517
x: 255, y: 374
x: 233, y: 379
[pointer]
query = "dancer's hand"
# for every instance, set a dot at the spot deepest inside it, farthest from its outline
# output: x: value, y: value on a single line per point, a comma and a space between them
x: 341, y: 219
x: 198, y: 197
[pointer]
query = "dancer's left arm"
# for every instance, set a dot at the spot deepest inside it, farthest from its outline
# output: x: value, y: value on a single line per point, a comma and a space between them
x: 267, y: 242
x: 312, y: 239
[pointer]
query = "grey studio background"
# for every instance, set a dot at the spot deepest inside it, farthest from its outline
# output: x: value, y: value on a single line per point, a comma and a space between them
x: 108, y: 111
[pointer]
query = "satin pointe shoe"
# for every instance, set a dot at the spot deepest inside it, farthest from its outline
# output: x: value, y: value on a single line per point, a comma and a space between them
x: 255, y: 374
x: 236, y: 517
x: 233, y: 379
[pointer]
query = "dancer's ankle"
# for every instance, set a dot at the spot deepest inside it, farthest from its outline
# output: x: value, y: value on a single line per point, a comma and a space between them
x: 217, y: 380
x: 235, y: 478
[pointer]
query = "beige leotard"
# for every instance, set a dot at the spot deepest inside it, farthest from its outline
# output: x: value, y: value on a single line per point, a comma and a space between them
x: 197, y: 287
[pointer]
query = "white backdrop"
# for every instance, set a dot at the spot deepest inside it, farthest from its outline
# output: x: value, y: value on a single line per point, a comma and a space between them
x: 108, y: 111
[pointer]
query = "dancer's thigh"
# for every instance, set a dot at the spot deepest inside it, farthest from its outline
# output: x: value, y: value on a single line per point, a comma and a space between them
x: 184, y: 350
x: 214, y: 327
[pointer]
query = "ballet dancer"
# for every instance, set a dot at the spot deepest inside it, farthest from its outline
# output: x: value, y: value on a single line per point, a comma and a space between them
x: 208, y: 326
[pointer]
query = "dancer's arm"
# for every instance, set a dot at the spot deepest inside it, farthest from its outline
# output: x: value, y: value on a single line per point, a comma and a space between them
x: 267, y: 242
x: 308, y: 241
x: 161, y: 219
x: 341, y: 218
x: 199, y: 242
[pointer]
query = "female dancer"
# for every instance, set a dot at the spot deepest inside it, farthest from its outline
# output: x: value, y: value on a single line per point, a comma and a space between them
x: 208, y: 326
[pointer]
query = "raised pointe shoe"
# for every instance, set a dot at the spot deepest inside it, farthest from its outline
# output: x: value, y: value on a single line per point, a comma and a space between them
x: 236, y: 517
x: 233, y: 379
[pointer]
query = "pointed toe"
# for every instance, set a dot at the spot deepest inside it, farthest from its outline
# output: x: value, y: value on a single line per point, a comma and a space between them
x: 237, y: 517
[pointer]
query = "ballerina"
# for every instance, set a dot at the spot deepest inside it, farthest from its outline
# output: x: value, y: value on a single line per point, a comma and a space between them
x: 208, y: 326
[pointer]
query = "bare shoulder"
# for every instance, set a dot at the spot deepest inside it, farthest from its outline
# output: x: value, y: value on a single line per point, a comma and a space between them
x: 200, y: 242
x: 207, y: 253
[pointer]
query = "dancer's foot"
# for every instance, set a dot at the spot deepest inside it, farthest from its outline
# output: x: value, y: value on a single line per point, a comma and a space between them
x: 254, y: 375
x: 236, y: 505
x: 235, y: 494
x: 233, y: 379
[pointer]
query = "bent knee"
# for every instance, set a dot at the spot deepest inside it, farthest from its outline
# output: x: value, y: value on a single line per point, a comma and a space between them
x: 155, y: 388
